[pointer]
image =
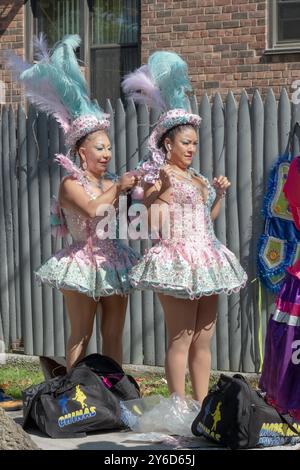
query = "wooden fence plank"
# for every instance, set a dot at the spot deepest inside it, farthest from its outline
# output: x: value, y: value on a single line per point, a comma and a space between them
x: 13, y: 164
x: 8, y: 226
x: 232, y: 228
x: 257, y: 139
x: 220, y: 228
x: 45, y: 234
x: 147, y: 296
x: 54, y: 174
x: 24, y: 237
x: 34, y: 228
x: 245, y: 216
x: 4, y: 279
x: 135, y: 299
x: 206, y: 168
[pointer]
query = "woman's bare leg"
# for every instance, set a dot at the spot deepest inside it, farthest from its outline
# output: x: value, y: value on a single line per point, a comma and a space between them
x: 81, y: 312
x: 112, y: 326
x: 200, y: 352
x: 180, y: 317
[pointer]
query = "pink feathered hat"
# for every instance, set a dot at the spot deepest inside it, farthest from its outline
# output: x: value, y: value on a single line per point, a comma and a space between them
x: 83, y: 126
x: 162, y: 84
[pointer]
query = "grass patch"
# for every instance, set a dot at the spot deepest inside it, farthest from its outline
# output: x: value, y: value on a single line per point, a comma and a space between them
x: 151, y: 384
x: 14, y: 377
x: 17, y: 377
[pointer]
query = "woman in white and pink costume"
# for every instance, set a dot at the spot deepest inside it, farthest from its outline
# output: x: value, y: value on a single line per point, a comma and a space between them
x: 187, y: 267
x: 91, y: 270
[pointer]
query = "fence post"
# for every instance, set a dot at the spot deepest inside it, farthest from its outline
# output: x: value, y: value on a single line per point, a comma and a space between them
x: 24, y: 237
x: 45, y: 234
x: 206, y: 168
x: 4, y: 306
x: 148, y: 324
x: 245, y: 217
x: 34, y: 229
x: 232, y: 228
x: 220, y: 226
x: 257, y: 139
x: 8, y: 226
x: 135, y: 299
x: 13, y: 164
x: 120, y: 145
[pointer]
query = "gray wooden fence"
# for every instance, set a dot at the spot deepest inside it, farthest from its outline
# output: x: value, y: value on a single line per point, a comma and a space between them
x: 241, y: 141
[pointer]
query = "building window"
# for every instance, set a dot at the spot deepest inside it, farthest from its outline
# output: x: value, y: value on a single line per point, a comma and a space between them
x: 284, y: 25
x: 57, y: 18
x: 110, y: 33
x: 115, y: 34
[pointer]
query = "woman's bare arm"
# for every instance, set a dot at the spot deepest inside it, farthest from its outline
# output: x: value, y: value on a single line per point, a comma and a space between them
x: 215, y: 208
x: 73, y: 195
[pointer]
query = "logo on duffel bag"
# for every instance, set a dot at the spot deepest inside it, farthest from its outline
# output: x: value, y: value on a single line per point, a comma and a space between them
x: 86, y: 412
x: 216, y: 415
x: 276, y: 434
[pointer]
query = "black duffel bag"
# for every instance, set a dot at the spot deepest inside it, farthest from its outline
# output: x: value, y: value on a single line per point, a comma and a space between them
x: 86, y: 399
x: 236, y: 416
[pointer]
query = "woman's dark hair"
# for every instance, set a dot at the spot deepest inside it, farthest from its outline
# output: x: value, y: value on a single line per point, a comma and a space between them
x: 79, y: 143
x: 171, y: 134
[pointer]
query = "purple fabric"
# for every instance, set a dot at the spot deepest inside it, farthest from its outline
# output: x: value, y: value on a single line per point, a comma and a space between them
x: 280, y: 377
x: 290, y: 290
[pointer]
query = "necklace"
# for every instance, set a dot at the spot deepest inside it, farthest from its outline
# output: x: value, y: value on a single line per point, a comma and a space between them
x: 186, y: 176
x: 98, y: 184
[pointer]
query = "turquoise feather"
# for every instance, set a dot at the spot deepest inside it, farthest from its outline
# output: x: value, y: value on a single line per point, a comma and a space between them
x: 63, y: 73
x: 170, y: 73
x: 64, y: 58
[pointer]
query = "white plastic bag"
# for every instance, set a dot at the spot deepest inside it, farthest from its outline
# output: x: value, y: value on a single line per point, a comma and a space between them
x: 173, y: 415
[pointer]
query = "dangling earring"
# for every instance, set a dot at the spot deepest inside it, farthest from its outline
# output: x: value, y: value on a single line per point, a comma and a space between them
x: 84, y: 166
x: 168, y: 156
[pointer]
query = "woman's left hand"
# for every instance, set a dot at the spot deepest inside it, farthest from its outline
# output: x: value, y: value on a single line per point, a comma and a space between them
x: 221, y: 184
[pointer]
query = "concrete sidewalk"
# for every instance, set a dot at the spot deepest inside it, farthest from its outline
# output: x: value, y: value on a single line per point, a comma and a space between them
x: 124, y: 440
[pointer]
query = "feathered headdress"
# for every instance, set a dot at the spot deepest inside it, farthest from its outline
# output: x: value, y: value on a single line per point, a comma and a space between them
x: 162, y: 84
x: 56, y: 86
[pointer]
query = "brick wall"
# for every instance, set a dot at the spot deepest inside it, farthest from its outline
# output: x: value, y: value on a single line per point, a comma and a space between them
x: 223, y: 42
x: 11, y: 37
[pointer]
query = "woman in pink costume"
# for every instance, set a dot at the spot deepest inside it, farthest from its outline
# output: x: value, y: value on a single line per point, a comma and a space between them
x: 92, y: 269
x: 189, y: 267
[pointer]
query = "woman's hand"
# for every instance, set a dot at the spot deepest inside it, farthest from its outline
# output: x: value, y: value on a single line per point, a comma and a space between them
x: 165, y: 178
x: 127, y: 181
x: 221, y: 184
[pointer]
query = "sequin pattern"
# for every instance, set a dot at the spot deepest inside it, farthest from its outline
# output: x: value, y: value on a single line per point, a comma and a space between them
x: 192, y: 262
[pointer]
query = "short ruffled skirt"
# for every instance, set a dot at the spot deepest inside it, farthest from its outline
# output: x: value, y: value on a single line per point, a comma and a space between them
x: 188, y: 269
x: 98, y: 271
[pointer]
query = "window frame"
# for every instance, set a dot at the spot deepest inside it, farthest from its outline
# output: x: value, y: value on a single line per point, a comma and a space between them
x: 274, y: 45
x: 31, y: 23
x: 86, y: 50
x: 95, y: 46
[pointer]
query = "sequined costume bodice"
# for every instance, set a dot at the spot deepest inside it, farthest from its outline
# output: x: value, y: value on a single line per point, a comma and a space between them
x: 79, y: 226
x: 188, y: 261
x: 190, y: 214
x: 93, y: 264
